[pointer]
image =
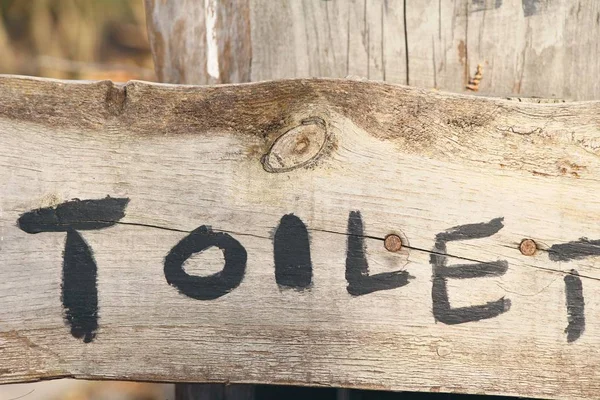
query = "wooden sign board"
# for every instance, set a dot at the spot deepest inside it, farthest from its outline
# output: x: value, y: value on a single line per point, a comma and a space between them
x: 312, y: 232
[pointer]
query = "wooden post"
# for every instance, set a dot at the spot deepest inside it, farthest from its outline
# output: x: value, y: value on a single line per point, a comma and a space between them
x: 550, y: 51
x: 200, y: 42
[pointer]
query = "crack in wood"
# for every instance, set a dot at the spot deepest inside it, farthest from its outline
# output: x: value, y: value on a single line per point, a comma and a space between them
x: 453, y: 256
x: 551, y: 252
x: 406, y: 43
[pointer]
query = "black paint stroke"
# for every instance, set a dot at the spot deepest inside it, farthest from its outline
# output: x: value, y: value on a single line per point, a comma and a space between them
x: 575, y: 306
x: 471, y: 231
x: 74, y: 214
x: 291, y: 248
x: 576, y: 250
x: 442, y: 311
x: 531, y: 7
x: 480, y: 270
x: 483, y: 5
x: 206, y: 287
x: 357, y: 267
x: 79, y: 287
x: 79, y: 280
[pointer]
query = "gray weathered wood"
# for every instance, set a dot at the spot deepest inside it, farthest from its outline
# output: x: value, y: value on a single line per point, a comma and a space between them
x: 545, y: 48
x: 328, y: 39
x: 200, y: 42
x: 415, y: 163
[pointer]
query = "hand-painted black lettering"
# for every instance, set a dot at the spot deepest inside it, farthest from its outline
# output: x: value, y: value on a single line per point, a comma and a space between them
x: 212, y: 286
x: 531, y: 7
x: 565, y: 252
x: 75, y: 214
x: 79, y: 287
x: 291, y: 247
x: 484, y: 5
x: 575, y: 306
x: 79, y: 290
x: 442, y: 311
x: 357, y: 267
x: 576, y: 250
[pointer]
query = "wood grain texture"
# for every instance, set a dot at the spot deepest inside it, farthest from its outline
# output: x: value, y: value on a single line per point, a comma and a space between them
x: 200, y: 42
x: 407, y: 161
x: 544, y: 48
x: 328, y: 39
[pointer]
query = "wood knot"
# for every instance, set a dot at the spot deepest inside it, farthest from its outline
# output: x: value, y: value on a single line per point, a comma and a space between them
x: 299, y: 147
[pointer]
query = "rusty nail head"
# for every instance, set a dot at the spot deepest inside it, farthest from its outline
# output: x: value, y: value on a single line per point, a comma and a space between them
x: 528, y: 247
x: 392, y: 242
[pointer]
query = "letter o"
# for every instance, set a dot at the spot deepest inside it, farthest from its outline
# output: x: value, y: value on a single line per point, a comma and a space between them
x: 206, y: 287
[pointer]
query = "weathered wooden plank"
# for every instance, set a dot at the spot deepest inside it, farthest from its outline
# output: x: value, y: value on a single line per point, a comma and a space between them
x: 353, y: 161
x: 544, y: 48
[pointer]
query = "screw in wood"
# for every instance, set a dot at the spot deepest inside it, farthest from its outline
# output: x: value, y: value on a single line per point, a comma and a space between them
x: 392, y: 242
x: 528, y: 247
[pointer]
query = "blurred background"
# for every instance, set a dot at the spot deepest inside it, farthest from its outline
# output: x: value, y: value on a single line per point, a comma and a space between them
x: 70, y: 389
x: 77, y: 39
